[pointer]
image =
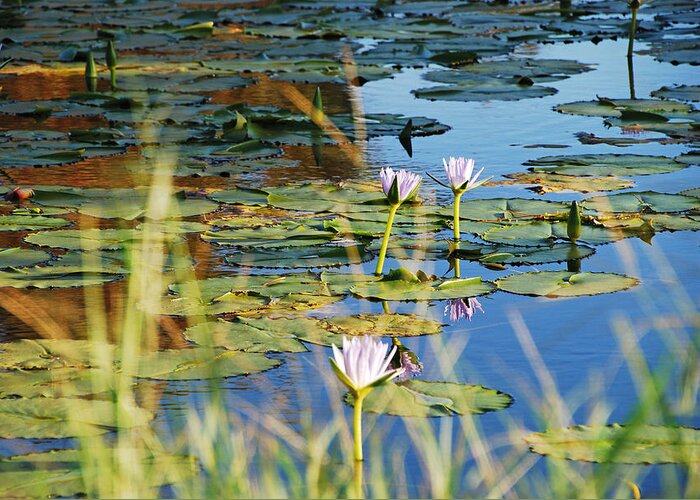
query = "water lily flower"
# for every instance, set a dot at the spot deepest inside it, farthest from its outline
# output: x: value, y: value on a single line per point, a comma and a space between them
x: 19, y: 194
x: 459, y: 309
x: 407, y: 360
x: 398, y: 186
x: 362, y: 365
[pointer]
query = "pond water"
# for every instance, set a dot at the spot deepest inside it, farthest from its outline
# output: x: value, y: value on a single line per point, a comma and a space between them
x: 521, y: 345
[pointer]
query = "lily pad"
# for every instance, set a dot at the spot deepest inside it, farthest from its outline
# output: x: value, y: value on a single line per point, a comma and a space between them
x: 54, y: 383
x: 565, y: 283
x: 553, y: 182
x: 419, y: 398
x: 240, y: 196
x: 390, y: 325
x: 302, y: 257
x: 643, y: 202
x: 21, y: 257
x: 58, y: 276
x: 42, y: 354
x: 498, y: 209
x: 89, y: 239
x: 65, y: 417
x: 545, y: 234
x: 202, y: 363
x: 287, y: 234
x: 680, y: 92
x: 514, y: 255
x: 279, y: 335
x: 401, y: 284
x: 605, y: 164
x: 612, y: 107
x: 30, y: 222
x: 638, y: 444
x: 491, y: 90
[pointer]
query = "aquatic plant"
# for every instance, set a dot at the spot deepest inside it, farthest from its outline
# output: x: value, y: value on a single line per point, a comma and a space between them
x: 398, y: 187
x: 362, y: 365
x: 459, y: 309
x: 111, y: 58
x: 634, y: 7
x: 90, y: 73
x: 19, y: 194
x: 573, y: 224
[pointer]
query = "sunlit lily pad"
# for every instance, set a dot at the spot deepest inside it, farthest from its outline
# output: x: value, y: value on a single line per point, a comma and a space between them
x: 491, y: 90
x: 278, y: 335
x: 201, y: 363
x: 552, y: 182
x: 301, y: 257
x: 375, y: 229
x: 401, y: 284
x: 496, y: 209
x: 565, y: 283
x: 419, y: 398
x: 605, y: 164
x: 680, y: 92
x: 30, y: 222
x: 390, y: 325
x: 240, y: 196
x: 55, y: 383
x: 64, y: 417
x: 57, y: 473
x: 612, y: 108
x: 643, y: 202
x: 497, y: 254
x: 627, y: 444
x: 541, y: 234
x: 29, y: 354
x: 89, y: 238
x: 58, y: 276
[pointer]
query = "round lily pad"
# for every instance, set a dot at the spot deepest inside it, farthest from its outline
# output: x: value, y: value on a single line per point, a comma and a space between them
x: 419, y: 398
x: 565, y: 283
x: 680, y: 92
x: 201, y: 363
x: 545, y: 234
x: 605, y: 164
x: 302, y: 257
x: 30, y: 222
x: 518, y: 255
x: 65, y: 417
x: 643, y: 202
x: 31, y: 354
x: 611, y: 107
x: 55, y: 383
x: 634, y: 444
x: 58, y: 276
x: 278, y: 335
x: 286, y: 234
x: 401, y: 284
x: 552, y: 182
x: 21, y: 257
x: 88, y: 239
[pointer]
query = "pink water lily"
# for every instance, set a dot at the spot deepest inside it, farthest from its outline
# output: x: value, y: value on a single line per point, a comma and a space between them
x: 363, y: 363
x: 406, y: 184
x: 459, y: 173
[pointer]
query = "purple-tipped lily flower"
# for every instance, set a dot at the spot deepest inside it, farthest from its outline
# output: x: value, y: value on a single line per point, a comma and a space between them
x: 459, y: 174
x: 363, y: 363
x: 459, y: 309
x: 399, y: 186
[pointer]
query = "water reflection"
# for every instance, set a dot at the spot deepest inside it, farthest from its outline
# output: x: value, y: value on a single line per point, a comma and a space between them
x: 459, y: 309
x: 406, y: 359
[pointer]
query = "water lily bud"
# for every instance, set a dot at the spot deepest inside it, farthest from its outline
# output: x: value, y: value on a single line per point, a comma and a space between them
x: 317, y: 108
x: 111, y: 55
x: 573, y: 226
x: 90, y: 73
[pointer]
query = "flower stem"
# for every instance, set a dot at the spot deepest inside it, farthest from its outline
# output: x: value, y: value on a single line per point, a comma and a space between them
x: 633, y: 29
x: 357, y: 426
x: 359, y: 491
x: 455, y: 227
x: 385, y: 241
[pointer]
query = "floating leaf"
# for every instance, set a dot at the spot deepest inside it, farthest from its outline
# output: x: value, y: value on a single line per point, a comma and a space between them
x: 28, y: 354
x: 240, y: 196
x: 201, y: 363
x: 419, y: 398
x: 549, y: 183
x: 496, y: 209
x: 58, y: 276
x: 489, y: 254
x: 54, y: 383
x: 611, y: 108
x: 565, y: 283
x: 541, y: 233
x: 404, y: 285
x: 21, y: 257
x: 605, y: 164
x: 390, y: 325
x: 90, y: 238
x: 286, y: 234
x: 64, y: 417
x: 279, y: 335
x: 631, y: 444
x: 643, y: 202
x: 680, y: 92
x: 30, y: 222
x: 292, y: 258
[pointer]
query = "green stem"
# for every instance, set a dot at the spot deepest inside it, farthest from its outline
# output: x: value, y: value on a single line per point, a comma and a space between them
x: 359, y: 491
x: 455, y: 227
x: 113, y: 78
x: 357, y: 426
x: 385, y: 241
x: 385, y: 307
x: 633, y: 29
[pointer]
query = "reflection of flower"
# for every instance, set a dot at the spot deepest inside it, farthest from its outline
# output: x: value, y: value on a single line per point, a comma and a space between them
x: 459, y: 309
x: 407, y: 360
x: 363, y: 363
x: 459, y: 174
x: 406, y: 184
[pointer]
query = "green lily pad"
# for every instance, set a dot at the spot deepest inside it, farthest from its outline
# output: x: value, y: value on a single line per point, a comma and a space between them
x: 638, y: 444
x: 202, y: 363
x: 240, y: 196
x: 301, y: 257
x: 21, y: 257
x: 680, y: 92
x: 389, y: 325
x: 497, y: 209
x: 326, y: 198
x: 552, y: 182
x: 54, y: 383
x: 643, y: 202
x: 342, y: 225
x: 65, y: 417
x: 58, y: 276
x: 57, y: 473
x: 53, y: 153
x: 518, y: 255
x: 30, y: 222
x: 419, y: 398
x: 565, y: 283
x: 42, y: 354
x: 89, y: 239
x: 401, y: 284
x: 542, y: 233
x: 279, y: 335
x: 612, y: 108
x: 490, y: 90
x: 605, y: 164
x: 286, y: 234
